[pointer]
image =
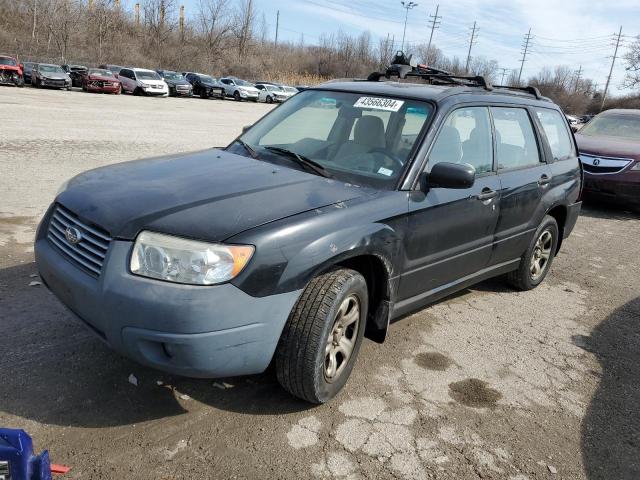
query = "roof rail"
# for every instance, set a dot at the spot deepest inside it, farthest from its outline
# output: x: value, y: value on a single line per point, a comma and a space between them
x: 403, y: 67
x: 529, y: 89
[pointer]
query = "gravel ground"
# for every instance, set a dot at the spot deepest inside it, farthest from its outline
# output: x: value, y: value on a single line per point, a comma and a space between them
x: 490, y: 383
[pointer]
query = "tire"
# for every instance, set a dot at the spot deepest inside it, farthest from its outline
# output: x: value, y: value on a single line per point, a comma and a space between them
x: 236, y: 96
x: 68, y: 89
x: 542, y: 248
x: 19, y: 82
x: 269, y: 99
x: 204, y: 95
x: 301, y: 357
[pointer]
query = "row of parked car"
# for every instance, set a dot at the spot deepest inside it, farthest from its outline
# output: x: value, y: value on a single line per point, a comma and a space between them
x: 140, y: 81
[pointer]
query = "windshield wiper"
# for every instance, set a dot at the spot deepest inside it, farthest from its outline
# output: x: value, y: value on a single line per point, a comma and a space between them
x: 301, y: 160
x: 248, y: 148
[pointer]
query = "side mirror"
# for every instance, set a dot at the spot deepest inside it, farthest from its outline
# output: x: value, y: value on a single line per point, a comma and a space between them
x: 246, y: 128
x: 451, y: 175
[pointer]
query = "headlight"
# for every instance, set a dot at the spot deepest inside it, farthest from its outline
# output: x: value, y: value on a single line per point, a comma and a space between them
x: 179, y: 260
x: 144, y: 85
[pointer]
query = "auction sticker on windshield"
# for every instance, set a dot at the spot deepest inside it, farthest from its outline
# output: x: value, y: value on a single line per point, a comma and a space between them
x: 387, y: 104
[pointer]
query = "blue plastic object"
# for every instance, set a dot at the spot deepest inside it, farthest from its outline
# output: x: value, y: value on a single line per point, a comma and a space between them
x: 17, y: 461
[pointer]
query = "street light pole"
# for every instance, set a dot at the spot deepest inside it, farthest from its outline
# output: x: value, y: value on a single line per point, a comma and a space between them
x: 407, y: 6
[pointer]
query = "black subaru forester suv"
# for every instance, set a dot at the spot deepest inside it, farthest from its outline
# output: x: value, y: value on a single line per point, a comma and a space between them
x: 341, y: 210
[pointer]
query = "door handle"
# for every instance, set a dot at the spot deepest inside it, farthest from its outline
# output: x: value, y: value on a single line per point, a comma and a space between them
x: 486, y: 194
x: 544, y: 180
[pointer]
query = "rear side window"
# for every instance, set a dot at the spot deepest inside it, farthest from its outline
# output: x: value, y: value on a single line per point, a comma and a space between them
x: 516, y: 145
x: 465, y: 138
x: 555, y: 128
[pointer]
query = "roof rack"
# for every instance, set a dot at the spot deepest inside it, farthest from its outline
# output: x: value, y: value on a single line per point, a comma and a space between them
x: 529, y: 89
x: 403, y: 67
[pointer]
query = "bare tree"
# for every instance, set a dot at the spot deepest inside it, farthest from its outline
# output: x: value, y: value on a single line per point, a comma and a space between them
x: 245, y: 21
x: 102, y: 19
x: 158, y: 15
x: 632, y: 58
x: 213, y: 26
x: 62, y: 22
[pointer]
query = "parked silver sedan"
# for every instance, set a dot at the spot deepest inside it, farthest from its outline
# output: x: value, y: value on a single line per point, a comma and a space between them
x: 48, y: 75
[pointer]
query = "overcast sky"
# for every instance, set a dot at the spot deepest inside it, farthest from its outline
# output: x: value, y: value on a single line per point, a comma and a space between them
x: 565, y: 32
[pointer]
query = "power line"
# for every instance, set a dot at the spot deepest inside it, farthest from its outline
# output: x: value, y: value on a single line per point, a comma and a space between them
x: 527, y: 41
x: 472, y: 40
x: 613, y: 61
x: 435, y: 23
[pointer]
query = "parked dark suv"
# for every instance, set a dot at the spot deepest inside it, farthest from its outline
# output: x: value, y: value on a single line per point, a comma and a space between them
x: 204, y: 85
x: 346, y: 207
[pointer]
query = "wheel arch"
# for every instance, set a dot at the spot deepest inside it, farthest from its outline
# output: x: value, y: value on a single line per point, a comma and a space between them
x: 559, y: 213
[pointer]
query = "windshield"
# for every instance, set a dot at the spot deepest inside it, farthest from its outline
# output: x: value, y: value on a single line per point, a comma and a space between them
x: 290, y: 89
x: 50, y: 69
x: 7, y: 61
x: 243, y: 83
x: 623, y: 126
x: 207, y: 79
x: 273, y: 88
x: 356, y: 138
x: 101, y: 72
x: 173, y: 76
x: 144, y: 75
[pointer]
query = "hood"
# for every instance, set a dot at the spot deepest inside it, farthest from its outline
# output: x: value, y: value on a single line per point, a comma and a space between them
x: 152, y: 82
x: 608, y: 146
x: 248, y: 89
x: 12, y: 68
x: 210, y: 84
x: 55, y: 76
x: 210, y: 195
x: 102, y: 78
x: 177, y: 82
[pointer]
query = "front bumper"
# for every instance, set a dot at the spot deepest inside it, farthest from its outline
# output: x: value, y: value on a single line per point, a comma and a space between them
x: 155, y: 91
x: 92, y: 87
x: 194, y: 331
x: 622, y: 188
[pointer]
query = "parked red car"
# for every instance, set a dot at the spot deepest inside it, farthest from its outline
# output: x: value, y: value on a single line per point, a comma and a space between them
x: 11, y: 71
x: 610, y: 152
x: 100, y: 80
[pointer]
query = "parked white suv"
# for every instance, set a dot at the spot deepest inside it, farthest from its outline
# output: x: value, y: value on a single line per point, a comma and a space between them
x: 239, y: 89
x: 142, y: 81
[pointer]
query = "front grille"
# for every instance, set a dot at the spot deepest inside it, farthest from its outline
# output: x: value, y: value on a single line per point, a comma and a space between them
x: 5, y: 473
x: 55, y: 83
x: 92, y: 242
x: 598, y: 165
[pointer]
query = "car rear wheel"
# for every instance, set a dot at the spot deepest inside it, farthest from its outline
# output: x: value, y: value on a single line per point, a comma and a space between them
x: 536, y: 262
x: 320, y: 342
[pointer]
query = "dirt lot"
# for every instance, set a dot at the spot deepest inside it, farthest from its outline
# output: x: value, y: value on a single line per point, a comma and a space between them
x: 489, y: 384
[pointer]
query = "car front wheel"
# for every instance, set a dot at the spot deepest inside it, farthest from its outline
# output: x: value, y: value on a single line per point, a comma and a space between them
x: 236, y: 96
x: 320, y: 342
x: 536, y: 262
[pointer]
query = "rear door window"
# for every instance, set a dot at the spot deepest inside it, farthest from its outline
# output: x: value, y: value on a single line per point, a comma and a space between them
x: 516, y: 144
x: 557, y: 132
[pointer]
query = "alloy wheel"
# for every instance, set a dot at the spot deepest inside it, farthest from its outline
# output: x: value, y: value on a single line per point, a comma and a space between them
x: 541, y: 255
x: 342, y: 338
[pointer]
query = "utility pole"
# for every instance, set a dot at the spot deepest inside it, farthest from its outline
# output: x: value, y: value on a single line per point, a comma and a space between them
x: 35, y: 17
x: 578, y: 77
x: 435, y: 23
x: 277, y: 26
x: 472, y: 40
x: 504, y: 74
x: 527, y: 42
x: 182, y: 23
x: 613, y: 62
x: 407, y: 6
x: 137, y: 9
